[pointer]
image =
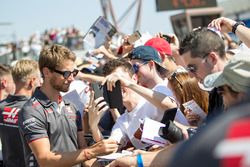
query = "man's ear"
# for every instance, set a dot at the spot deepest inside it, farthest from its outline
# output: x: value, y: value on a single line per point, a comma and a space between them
x: 151, y: 64
x: 32, y: 82
x: 212, y: 58
x: 45, y: 72
x: 3, y: 83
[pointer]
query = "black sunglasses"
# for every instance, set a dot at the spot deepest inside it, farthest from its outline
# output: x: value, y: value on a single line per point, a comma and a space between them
x: 66, y: 74
x: 220, y: 90
x: 191, y: 68
x: 136, y: 67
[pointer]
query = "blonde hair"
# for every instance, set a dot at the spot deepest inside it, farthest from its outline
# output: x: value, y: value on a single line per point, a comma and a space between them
x: 4, y: 70
x: 186, y: 88
x: 24, y: 69
x: 51, y: 57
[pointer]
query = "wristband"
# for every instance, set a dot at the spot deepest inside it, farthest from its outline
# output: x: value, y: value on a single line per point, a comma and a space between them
x: 139, y: 160
x: 236, y: 25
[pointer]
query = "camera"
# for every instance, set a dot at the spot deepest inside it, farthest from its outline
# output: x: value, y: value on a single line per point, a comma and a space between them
x: 171, y: 132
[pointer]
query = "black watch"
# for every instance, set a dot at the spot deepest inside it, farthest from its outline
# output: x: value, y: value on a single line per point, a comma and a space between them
x: 236, y: 25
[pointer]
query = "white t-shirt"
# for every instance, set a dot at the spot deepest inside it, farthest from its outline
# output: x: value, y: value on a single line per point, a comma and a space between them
x: 127, y: 124
x: 162, y: 88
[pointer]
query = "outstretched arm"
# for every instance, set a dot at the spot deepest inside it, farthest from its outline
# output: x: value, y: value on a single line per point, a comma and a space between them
x: 45, y: 157
x: 158, y: 99
x: 158, y: 158
x: 90, y: 77
x: 226, y: 25
x: 105, y: 51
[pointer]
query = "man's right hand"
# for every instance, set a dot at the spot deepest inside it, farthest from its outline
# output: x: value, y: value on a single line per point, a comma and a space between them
x: 222, y: 24
x: 113, y: 77
x: 103, y: 147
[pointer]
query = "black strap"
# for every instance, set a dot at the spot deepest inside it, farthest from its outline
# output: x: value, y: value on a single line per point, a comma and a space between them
x: 236, y: 25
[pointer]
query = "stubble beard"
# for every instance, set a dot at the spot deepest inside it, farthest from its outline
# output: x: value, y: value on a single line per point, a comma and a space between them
x: 60, y: 88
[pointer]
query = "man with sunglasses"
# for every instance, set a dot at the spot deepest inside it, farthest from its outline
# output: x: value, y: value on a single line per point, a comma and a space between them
x: 50, y: 126
x: 148, y: 68
x: 147, y: 65
x: 233, y: 82
x: 204, y: 53
x: 140, y: 102
x: 225, y: 141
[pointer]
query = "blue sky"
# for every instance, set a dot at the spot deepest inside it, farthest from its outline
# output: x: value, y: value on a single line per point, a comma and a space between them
x: 29, y: 16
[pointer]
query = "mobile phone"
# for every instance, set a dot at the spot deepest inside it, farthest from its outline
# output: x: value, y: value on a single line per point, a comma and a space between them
x: 134, y: 37
x: 114, y: 97
x: 167, y: 38
x: 97, y: 90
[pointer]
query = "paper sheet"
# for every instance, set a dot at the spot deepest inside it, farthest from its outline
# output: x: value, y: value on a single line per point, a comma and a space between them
x: 99, y: 33
x: 150, y: 132
x: 114, y: 156
x: 195, y: 108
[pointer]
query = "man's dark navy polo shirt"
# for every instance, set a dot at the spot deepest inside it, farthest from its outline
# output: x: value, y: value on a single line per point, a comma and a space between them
x: 12, y: 146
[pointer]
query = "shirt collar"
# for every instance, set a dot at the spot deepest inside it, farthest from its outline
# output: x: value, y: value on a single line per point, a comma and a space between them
x: 45, y: 101
x: 17, y: 97
x: 41, y: 97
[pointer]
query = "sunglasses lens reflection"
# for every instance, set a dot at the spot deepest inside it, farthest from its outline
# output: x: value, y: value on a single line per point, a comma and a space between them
x: 68, y: 73
x: 136, y: 68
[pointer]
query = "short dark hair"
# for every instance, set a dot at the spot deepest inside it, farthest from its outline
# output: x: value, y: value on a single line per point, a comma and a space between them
x: 111, y: 65
x: 201, y: 42
x: 52, y: 56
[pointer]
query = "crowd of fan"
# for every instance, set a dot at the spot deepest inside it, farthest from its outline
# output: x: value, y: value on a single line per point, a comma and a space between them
x: 70, y: 37
x: 53, y: 113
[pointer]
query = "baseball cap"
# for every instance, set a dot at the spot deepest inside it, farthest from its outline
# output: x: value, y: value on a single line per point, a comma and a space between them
x: 146, y: 53
x: 236, y: 74
x: 161, y: 45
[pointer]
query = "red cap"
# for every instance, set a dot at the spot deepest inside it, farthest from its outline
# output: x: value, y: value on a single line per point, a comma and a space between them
x: 161, y: 45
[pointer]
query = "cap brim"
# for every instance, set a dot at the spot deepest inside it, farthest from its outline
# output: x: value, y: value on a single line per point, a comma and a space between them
x: 161, y: 65
x: 202, y: 87
x: 214, y: 80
